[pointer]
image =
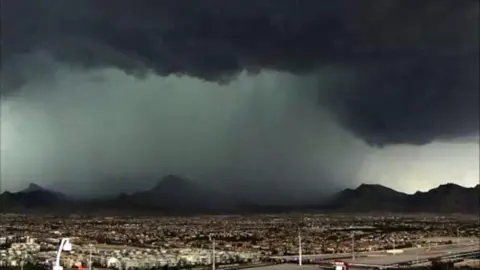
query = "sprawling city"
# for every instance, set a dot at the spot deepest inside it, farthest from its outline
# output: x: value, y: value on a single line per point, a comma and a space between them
x: 234, y: 242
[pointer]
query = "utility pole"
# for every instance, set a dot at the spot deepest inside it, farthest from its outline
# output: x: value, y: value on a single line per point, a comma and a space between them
x: 299, y: 248
x: 394, y: 247
x: 458, y: 236
x: 90, y: 257
x: 213, y: 250
x: 353, y: 245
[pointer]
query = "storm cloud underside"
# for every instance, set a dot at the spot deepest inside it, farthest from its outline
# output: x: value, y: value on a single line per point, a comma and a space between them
x: 409, y: 59
x: 237, y: 91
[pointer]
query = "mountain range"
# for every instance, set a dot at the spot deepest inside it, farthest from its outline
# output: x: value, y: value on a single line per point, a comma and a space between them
x: 177, y: 195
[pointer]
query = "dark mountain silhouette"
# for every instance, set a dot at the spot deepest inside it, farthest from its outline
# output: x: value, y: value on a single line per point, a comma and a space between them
x: 33, y: 187
x: 178, y: 195
x: 367, y: 198
x: 173, y: 194
x: 448, y: 198
x: 32, y: 199
x: 36, y: 189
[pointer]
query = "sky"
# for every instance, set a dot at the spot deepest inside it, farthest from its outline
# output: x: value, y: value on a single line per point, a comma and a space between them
x: 266, y: 99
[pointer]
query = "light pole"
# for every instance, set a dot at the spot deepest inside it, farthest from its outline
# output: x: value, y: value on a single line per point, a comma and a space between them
x: 394, y: 252
x: 213, y: 250
x: 353, y: 245
x: 24, y: 256
x: 64, y: 246
x: 90, y: 256
x: 300, y: 259
x: 428, y: 241
x: 458, y: 236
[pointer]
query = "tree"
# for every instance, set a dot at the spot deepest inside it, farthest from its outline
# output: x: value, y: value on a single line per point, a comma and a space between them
x: 5, y: 246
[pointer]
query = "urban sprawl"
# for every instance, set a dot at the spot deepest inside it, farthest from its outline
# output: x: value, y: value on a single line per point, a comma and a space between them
x: 143, y: 243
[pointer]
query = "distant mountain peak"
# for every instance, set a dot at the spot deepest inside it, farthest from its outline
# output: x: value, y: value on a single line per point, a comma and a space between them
x: 173, y: 182
x: 370, y: 197
x: 449, y: 186
x: 370, y: 186
x: 171, y: 178
x: 33, y: 187
x: 375, y: 188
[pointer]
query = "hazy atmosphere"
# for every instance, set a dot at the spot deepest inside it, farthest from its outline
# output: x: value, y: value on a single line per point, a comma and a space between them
x: 275, y: 100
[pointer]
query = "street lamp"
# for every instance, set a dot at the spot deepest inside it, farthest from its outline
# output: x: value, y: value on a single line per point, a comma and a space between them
x: 458, y: 236
x: 90, y: 257
x: 353, y: 245
x: 394, y: 250
x: 65, y: 245
x: 24, y: 258
x: 300, y: 259
x: 210, y: 237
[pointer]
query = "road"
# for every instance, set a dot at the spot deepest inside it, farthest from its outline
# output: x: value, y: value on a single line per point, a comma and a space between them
x: 377, y: 255
x: 377, y: 259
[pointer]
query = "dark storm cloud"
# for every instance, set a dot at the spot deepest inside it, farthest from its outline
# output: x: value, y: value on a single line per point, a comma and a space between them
x: 411, y: 67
